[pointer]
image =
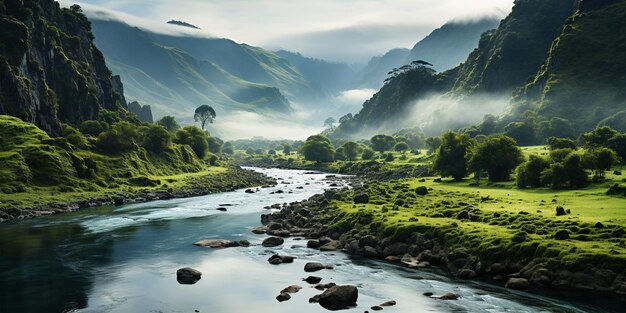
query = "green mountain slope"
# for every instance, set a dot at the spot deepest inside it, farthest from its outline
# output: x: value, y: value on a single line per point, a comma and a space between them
x: 508, y: 58
x: 50, y: 70
x: 174, y: 82
x: 375, y: 72
x: 584, y: 77
x: 510, y: 55
x: 328, y: 76
x: 446, y: 47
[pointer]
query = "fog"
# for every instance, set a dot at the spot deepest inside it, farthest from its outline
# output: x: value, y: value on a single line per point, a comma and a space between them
x: 350, y: 30
x: 437, y: 113
x: 241, y: 124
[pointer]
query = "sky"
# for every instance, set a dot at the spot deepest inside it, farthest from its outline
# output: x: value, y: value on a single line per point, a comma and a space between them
x: 349, y: 31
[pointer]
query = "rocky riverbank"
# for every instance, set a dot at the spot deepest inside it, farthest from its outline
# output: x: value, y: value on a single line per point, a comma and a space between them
x: 318, y: 220
x: 230, y: 180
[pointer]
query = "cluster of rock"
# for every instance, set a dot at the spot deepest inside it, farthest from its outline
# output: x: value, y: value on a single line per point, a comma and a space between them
x: 306, y: 219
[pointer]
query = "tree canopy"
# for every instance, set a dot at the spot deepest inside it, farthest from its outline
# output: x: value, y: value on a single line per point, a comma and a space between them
x: 382, y: 143
x: 318, y: 148
x: 452, y: 155
x: 204, y: 114
x: 499, y: 155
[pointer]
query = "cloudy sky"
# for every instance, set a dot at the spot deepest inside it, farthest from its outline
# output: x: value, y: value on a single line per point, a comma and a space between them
x: 340, y: 30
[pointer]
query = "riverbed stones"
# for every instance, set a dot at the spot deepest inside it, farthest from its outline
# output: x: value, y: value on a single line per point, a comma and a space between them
x: 517, y: 283
x: 272, y: 242
x: 291, y: 289
x: 315, y: 266
x: 313, y: 280
x: 280, y: 259
x: 337, y: 297
x: 188, y: 276
x: 330, y: 246
x: 283, y: 297
x: 221, y: 243
x: 259, y: 230
x: 466, y: 273
x: 388, y: 303
x: 449, y: 296
x: 368, y: 240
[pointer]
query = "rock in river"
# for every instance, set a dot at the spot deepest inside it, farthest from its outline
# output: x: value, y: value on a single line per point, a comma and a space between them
x: 315, y: 266
x: 337, y: 297
x: 517, y: 283
x: 273, y: 242
x: 313, y: 279
x: 221, y: 243
x: 283, y: 297
x: 188, y: 276
x: 280, y: 259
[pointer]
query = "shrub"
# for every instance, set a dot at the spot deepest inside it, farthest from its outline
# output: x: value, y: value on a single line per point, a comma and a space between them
x: 227, y: 148
x: 121, y: 137
x: 93, y: 128
x: 169, y: 122
x: 368, y: 154
x: 73, y: 136
x: 193, y: 137
x: 318, y: 148
x: 156, y: 138
x: 529, y: 172
x: 389, y: 157
x: 560, y: 143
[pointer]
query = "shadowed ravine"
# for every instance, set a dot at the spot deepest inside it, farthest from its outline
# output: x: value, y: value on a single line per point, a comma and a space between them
x: 124, y: 259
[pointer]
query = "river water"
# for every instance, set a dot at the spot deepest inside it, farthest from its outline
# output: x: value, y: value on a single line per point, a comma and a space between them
x: 124, y: 259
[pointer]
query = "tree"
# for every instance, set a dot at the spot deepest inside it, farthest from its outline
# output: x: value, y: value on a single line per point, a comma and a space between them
x: 433, y: 144
x: 203, y: 114
x: 499, y: 155
x: 193, y: 137
x: 599, y: 137
x: 556, y: 127
x: 287, y: 149
x: 340, y: 154
x: 452, y: 155
x: 529, y: 172
x: 401, y: 147
x: 345, y: 118
x: 351, y: 150
x: 227, y: 148
x: 271, y: 152
x: 600, y: 160
x: 156, y: 138
x: 618, y: 144
x: 330, y: 123
x: 367, y: 154
x: 121, y: 137
x: 75, y: 8
x: 489, y: 125
x: 558, y: 155
x: 250, y: 151
x: 215, y: 144
x: 318, y: 148
x: 169, y: 122
x: 382, y: 143
x: 560, y: 143
x: 522, y: 132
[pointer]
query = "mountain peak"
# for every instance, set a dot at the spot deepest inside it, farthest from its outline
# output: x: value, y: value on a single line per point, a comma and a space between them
x: 183, y: 24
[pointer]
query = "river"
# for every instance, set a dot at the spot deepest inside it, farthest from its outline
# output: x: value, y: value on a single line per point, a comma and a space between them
x: 124, y: 259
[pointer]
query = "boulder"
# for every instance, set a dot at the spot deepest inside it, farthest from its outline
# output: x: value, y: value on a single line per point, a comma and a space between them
x: 561, y: 235
x: 272, y: 242
x: 360, y: 198
x: 259, y: 230
x: 449, y: 296
x: 338, y: 297
x: 314, y: 244
x: 376, y: 308
x: 368, y: 240
x: 315, y: 266
x: 283, y: 297
x: 280, y: 259
x: 221, y: 243
x: 388, y: 303
x: 421, y: 191
x: 222, y: 209
x: 313, y: 279
x: 291, y: 289
x: 560, y: 211
x: 466, y: 273
x: 330, y: 246
x: 517, y: 283
x: 188, y: 276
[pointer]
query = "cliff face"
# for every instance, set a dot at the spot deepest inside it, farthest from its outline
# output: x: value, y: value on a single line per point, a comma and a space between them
x: 50, y: 70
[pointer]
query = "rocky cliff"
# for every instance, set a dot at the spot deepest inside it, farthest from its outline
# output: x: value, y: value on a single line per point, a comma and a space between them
x: 50, y: 70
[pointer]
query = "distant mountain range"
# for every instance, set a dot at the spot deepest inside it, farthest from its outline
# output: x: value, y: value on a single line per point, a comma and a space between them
x: 552, y: 58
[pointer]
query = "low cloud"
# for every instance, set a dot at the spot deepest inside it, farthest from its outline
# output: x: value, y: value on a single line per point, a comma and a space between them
x: 240, y: 124
x: 354, y: 98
